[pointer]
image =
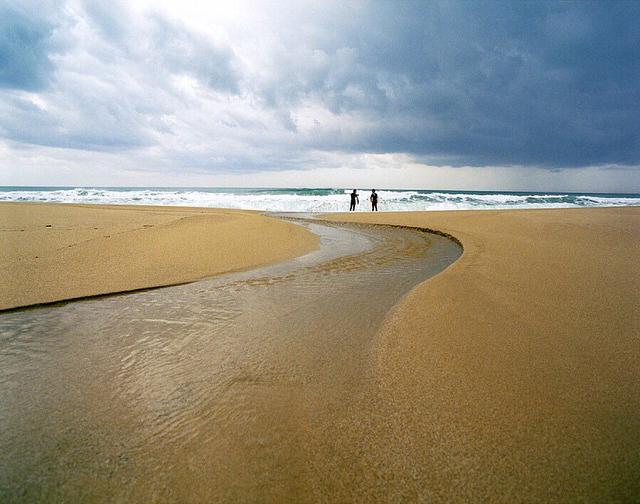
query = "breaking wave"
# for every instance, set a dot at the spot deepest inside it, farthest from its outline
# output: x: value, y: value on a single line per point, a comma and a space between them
x: 314, y: 200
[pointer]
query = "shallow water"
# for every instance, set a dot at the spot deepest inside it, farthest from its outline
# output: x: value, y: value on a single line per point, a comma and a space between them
x: 222, y: 390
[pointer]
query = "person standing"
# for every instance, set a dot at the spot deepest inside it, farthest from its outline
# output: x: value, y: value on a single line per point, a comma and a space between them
x: 354, y: 200
x: 374, y: 200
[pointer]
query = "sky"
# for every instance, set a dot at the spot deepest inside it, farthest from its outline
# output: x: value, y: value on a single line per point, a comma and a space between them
x: 475, y: 95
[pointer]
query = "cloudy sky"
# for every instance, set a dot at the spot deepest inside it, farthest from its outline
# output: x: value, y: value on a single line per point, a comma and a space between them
x: 443, y: 95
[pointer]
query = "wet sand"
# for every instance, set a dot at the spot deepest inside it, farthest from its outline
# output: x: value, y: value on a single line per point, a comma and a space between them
x: 230, y: 389
x: 513, y: 375
x: 54, y: 252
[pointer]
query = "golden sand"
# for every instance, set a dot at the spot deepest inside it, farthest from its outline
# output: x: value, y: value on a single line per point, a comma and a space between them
x: 53, y: 252
x: 513, y: 375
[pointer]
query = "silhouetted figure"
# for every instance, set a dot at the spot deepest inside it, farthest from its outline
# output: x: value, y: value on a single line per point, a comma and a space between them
x: 374, y: 200
x: 354, y: 200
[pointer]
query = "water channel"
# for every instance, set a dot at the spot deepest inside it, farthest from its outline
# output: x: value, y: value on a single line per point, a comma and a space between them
x: 223, y: 390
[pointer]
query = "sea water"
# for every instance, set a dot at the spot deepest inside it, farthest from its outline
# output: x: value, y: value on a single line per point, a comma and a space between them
x: 314, y: 200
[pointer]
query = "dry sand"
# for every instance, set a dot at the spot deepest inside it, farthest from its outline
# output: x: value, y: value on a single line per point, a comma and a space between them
x: 53, y: 252
x: 513, y: 376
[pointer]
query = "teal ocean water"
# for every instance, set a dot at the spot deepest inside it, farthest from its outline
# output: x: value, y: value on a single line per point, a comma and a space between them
x: 314, y: 200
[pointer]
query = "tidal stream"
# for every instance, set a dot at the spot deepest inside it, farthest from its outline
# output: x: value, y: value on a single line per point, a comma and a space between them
x: 223, y: 390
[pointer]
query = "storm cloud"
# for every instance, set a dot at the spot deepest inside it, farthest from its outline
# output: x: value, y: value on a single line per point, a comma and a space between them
x: 552, y: 85
x: 25, y: 45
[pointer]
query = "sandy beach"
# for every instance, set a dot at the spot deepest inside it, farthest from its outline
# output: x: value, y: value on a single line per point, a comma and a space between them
x: 55, y: 252
x: 512, y: 376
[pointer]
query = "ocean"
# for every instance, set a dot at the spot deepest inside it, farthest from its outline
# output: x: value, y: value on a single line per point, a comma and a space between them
x: 314, y: 200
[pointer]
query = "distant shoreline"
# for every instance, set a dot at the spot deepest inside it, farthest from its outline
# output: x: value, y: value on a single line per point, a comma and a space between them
x: 316, y: 199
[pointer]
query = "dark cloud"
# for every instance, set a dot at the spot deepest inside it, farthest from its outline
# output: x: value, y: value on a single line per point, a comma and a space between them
x: 545, y: 83
x: 25, y: 31
x: 103, y: 127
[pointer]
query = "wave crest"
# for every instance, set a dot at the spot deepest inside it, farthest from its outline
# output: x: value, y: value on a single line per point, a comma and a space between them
x: 315, y: 200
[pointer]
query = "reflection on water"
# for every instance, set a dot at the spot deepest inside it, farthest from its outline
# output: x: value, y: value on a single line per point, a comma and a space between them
x: 218, y: 391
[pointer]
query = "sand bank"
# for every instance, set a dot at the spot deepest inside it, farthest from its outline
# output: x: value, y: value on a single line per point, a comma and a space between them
x: 53, y: 252
x: 513, y: 375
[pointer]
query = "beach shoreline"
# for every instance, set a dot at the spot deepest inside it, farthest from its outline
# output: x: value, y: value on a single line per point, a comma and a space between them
x: 58, y: 252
